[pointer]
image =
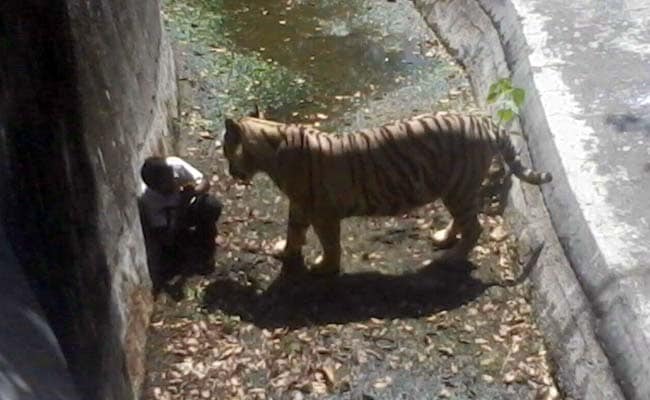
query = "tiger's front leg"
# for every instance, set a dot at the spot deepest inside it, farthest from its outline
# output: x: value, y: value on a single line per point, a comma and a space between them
x: 329, y: 235
x: 296, y: 238
x: 464, y: 212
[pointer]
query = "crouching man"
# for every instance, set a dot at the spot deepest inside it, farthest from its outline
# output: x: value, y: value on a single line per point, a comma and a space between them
x: 178, y: 216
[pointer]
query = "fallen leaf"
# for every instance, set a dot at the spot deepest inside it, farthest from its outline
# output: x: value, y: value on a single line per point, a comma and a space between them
x: 509, y: 377
x: 330, y: 377
x: 383, y: 383
x: 279, y: 245
x: 454, y: 368
x: 498, y: 234
x: 447, y: 351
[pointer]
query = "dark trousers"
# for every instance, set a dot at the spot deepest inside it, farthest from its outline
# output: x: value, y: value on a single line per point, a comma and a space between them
x: 187, y: 244
x: 200, y: 216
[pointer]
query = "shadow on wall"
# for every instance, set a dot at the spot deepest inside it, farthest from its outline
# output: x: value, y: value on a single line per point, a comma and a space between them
x: 50, y: 214
x: 629, y: 122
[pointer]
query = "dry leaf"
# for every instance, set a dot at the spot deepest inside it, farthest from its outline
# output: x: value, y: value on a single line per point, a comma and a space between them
x: 279, y: 245
x: 498, y: 234
x: 328, y: 373
x: 486, y: 361
x: 447, y: 351
x: 509, y: 377
x: 382, y: 383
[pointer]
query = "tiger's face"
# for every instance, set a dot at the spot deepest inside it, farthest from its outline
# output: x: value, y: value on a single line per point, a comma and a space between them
x: 240, y: 164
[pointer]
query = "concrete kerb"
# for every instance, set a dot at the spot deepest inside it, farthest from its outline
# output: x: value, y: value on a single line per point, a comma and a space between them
x: 487, y: 38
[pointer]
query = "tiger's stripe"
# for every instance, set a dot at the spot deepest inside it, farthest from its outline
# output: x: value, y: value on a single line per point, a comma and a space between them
x: 380, y: 171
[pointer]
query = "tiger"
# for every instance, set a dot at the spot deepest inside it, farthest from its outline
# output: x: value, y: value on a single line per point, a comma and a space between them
x: 382, y: 171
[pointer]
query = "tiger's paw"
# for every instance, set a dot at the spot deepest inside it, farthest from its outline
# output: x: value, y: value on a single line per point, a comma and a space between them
x: 448, y: 257
x: 322, y: 268
x: 283, y: 253
x: 293, y: 265
x: 443, y: 239
x: 291, y: 260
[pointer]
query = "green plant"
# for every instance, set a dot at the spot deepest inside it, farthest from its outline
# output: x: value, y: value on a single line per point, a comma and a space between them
x: 507, y: 98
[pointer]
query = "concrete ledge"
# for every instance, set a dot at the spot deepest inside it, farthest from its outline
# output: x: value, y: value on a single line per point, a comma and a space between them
x: 487, y: 38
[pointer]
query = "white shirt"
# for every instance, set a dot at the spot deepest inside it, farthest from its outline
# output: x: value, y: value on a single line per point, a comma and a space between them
x: 155, y: 204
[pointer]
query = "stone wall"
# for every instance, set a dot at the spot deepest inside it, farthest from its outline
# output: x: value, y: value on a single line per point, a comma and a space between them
x: 87, y: 90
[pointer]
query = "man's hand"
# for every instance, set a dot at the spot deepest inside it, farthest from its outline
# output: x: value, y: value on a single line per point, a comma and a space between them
x: 203, y: 186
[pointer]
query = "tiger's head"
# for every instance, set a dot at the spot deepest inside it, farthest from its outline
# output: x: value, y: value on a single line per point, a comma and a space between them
x: 240, y: 163
x: 245, y: 147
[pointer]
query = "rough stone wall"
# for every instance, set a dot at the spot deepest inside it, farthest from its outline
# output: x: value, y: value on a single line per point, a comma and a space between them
x: 87, y: 90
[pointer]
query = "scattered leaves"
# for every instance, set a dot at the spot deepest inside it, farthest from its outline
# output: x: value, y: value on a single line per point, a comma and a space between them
x: 230, y: 351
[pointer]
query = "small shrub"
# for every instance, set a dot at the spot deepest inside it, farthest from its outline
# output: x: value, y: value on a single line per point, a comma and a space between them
x: 507, y: 98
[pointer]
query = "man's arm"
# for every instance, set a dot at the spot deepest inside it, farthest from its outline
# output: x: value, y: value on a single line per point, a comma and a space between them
x: 193, y: 179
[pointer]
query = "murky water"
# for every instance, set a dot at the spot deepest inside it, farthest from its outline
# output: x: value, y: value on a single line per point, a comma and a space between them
x: 362, y: 59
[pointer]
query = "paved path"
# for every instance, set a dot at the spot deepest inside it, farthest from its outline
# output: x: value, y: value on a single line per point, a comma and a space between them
x: 591, y: 65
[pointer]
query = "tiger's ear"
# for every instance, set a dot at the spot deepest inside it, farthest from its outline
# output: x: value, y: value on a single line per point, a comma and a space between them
x: 256, y: 113
x: 231, y: 125
x: 232, y: 129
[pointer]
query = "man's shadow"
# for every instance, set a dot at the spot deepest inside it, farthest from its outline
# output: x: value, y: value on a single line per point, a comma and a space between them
x: 303, y: 299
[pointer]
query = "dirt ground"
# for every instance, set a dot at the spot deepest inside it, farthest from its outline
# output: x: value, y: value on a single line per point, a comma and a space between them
x: 391, y: 326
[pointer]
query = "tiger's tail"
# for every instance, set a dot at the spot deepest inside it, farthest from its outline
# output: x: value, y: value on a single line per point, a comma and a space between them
x: 510, y: 156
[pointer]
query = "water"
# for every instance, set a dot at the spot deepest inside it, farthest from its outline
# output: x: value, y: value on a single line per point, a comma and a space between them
x: 364, y: 61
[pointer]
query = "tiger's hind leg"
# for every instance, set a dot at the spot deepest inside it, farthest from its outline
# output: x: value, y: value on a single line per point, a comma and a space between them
x: 470, y: 231
x: 329, y: 235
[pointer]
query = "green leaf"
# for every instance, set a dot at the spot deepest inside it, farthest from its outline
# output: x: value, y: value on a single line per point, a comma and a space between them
x: 509, y: 104
x: 518, y: 95
x: 500, y: 89
x: 505, y: 115
x: 492, y: 96
x: 504, y: 84
x: 495, y: 90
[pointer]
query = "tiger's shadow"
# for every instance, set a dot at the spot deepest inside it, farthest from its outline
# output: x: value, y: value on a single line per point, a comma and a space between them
x: 305, y: 300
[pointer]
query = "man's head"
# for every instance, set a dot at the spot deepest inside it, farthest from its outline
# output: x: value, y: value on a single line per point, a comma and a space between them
x: 157, y: 175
